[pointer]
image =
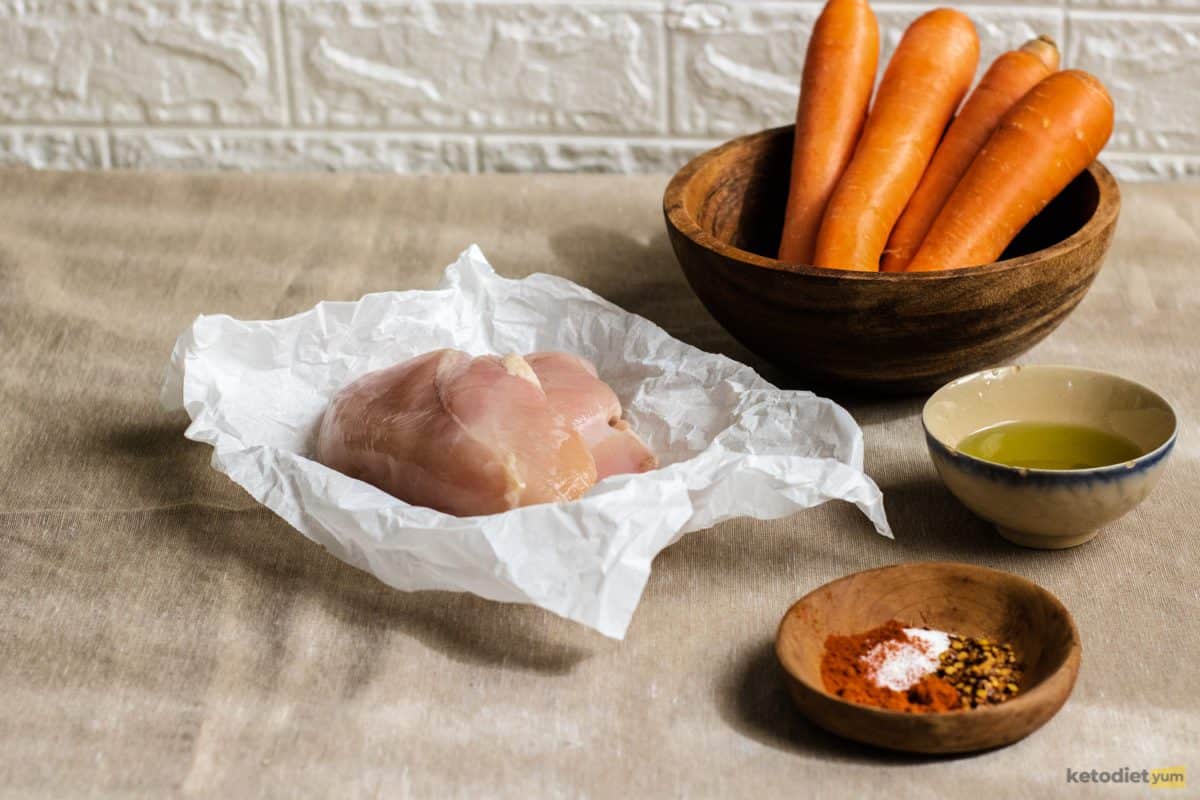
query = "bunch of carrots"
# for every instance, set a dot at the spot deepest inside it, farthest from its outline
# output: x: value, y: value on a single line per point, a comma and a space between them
x: 885, y: 189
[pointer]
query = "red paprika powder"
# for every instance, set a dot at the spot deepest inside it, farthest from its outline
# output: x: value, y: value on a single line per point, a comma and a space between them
x: 846, y: 674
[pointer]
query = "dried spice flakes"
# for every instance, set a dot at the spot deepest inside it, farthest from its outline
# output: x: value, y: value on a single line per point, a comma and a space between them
x: 981, y: 670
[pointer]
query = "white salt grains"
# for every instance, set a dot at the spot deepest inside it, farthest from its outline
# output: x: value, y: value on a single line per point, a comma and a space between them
x: 899, y: 665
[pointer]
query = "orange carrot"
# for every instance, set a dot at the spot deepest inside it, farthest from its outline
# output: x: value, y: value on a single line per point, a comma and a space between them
x: 1007, y: 80
x: 835, y: 92
x: 1043, y: 142
x: 928, y: 75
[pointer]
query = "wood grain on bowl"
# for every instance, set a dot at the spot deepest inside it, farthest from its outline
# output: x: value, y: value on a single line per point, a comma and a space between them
x: 896, y: 332
x: 957, y: 598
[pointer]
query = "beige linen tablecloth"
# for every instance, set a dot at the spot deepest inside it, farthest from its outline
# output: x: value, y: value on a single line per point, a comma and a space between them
x: 161, y: 634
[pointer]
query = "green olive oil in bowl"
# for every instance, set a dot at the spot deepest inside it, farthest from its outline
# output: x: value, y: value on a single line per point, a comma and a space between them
x: 1049, y: 445
x: 1049, y: 454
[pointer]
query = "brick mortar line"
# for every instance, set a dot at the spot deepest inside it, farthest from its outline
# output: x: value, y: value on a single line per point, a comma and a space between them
x: 585, y: 4
x: 475, y: 157
x: 477, y: 153
x: 417, y: 133
x: 1064, y: 47
x: 482, y: 138
x: 108, y: 151
x: 282, y: 49
x: 1137, y: 12
x: 179, y: 126
x: 1048, y: 5
x: 666, y: 68
x: 1144, y: 154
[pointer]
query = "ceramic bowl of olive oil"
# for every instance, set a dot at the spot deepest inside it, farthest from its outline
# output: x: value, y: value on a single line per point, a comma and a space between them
x: 1050, y: 454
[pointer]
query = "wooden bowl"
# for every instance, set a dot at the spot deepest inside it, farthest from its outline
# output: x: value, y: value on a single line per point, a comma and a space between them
x: 957, y: 598
x: 893, y: 332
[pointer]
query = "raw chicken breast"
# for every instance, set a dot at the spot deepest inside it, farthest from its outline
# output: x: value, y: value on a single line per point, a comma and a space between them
x: 592, y: 408
x: 461, y: 435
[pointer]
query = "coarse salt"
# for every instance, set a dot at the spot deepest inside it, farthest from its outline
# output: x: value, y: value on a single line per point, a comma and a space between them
x: 900, y: 665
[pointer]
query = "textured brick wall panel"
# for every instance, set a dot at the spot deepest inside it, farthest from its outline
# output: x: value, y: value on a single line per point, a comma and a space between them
x: 52, y: 149
x: 552, y: 67
x: 290, y: 151
x: 504, y: 85
x: 1152, y: 68
x: 146, y: 62
x: 508, y: 154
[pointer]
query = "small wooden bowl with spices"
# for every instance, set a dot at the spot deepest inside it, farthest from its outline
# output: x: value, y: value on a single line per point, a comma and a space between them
x: 933, y: 657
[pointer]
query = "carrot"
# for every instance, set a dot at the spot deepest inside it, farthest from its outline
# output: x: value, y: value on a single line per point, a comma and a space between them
x: 1045, y: 48
x: 928, y: 75
x: 1043, y: 142
x: 835, y: 91
x: 1007, y: 80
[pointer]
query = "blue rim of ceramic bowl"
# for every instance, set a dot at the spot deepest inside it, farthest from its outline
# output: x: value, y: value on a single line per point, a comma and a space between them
x: 1110, y: 472
x: 1027, y: 475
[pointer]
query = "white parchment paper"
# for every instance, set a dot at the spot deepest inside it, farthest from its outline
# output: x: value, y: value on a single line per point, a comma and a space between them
x: 729, y: 442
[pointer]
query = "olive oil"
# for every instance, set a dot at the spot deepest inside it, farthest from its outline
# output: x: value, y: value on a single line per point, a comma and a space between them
x: 1048, y: 445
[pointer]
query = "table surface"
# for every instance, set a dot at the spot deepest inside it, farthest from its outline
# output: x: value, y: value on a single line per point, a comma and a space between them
x: 161, y: 633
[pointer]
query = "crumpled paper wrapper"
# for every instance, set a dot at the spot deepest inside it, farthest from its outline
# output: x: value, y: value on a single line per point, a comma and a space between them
x: 729, y: 442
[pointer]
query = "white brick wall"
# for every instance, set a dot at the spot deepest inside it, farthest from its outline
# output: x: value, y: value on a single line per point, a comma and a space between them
x: 503, y: 85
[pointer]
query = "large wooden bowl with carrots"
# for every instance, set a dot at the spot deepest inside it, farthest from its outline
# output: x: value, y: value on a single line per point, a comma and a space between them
x: 894, y: 332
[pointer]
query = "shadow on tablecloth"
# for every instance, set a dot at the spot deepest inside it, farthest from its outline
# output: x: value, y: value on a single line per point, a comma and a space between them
x: 753, y: 699
x: 224, y: 527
